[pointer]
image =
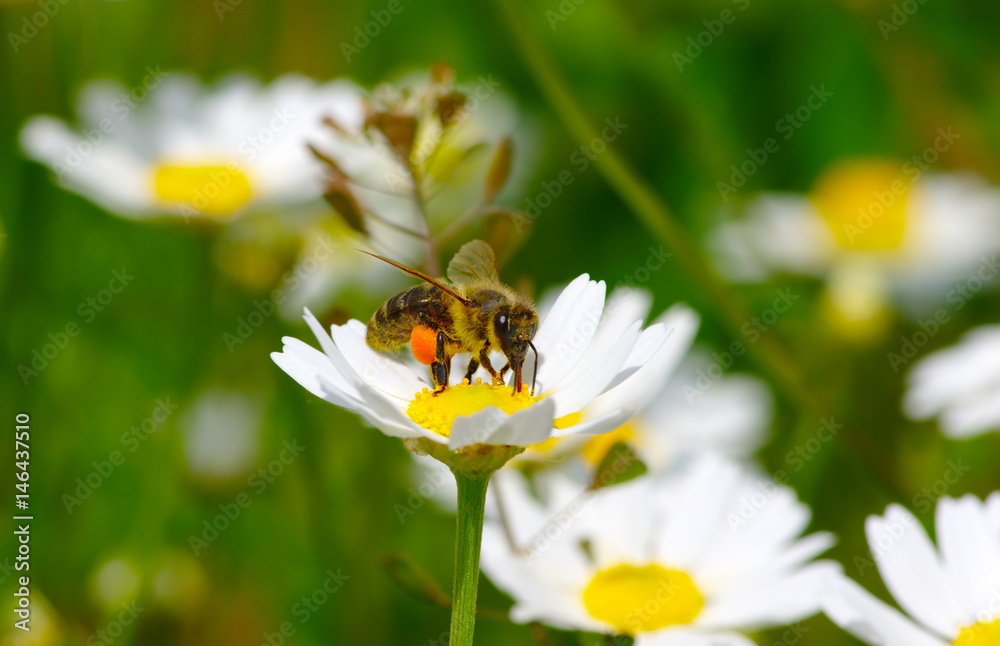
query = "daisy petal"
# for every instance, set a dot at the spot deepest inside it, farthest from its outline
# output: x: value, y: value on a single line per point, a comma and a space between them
x: 970, y: 549
x: 993, y: 511
x: 573, y: 394
x: 911, y: 570
x: 492, y: 426
x: 379, y: 370
x: 697, y: 509
x: 564, y: 335
x: 692, y: 637
x: 781, y: 600
x: 974, y: 416
x: 304, y: 355
x: 651, y: 361
x: 855, y: 610
x: 308, y: 376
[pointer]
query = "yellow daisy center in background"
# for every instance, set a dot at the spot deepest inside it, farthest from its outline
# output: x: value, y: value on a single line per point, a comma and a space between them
x: 981, y: 634
x: 438, y: 412
x: 567, y: 420
x: 211, y: 190
x: 560, y: 422
x: 637, y: 599
x: 864, y: 202
x: 598, y: 446
x: 549, y: 444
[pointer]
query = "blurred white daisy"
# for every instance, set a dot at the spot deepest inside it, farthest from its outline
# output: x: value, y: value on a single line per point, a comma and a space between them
x: 730, y: 417
x: 877, y: 231
x: 695, y: 559
x: 221, y: 433
x: 172, y: 146
x: 412, y: 163
x: 959, y: 385
x: 579, y: 365
x: 951, y: 593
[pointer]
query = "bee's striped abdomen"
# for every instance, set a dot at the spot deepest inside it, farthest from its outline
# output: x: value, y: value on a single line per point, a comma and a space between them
x: 390, y: 325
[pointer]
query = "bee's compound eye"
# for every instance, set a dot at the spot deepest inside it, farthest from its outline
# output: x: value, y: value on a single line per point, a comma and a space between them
x: 501, y: 324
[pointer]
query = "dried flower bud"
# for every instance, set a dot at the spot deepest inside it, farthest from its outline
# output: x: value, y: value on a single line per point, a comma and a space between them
x: 341, y: 198
x: 449, y: 107
x: 499, y: 170
x: 442, y: 73
x: 329, y: 161
x: 400, y: 130
x: 339, y: 129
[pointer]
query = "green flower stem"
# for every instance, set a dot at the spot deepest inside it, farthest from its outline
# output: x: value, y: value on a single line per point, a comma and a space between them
x: 653, y: 212
x: 468, y: 541
x: 473, y: 466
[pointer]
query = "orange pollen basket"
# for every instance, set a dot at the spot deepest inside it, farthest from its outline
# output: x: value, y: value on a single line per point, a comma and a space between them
x: 423, y: 342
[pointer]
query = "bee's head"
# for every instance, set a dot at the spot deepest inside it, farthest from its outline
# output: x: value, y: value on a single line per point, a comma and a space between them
x: 514, y: 329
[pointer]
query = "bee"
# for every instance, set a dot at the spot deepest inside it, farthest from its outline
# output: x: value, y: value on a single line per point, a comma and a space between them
x: 472, y: 312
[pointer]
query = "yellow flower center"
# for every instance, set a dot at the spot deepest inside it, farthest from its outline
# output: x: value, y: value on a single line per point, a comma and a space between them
x: 864, y: 203
x: 212, y: 190
x: 438, y: 412
x: 981, y: 634
x: 637, y: 599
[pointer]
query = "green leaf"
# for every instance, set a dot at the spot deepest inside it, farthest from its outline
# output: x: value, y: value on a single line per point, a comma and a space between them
x: 619, y: 464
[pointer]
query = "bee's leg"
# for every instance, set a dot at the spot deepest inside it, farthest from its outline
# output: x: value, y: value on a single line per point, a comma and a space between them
x: 473, y: 366
x: 484, y: 358
x: 441, y: 367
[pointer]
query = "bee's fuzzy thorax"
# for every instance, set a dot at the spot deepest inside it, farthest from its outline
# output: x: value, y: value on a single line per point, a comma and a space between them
x: 474, y: 325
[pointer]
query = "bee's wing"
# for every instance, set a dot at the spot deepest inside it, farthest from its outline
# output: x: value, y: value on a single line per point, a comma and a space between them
x: 421, y: 275
x: 474, y: 261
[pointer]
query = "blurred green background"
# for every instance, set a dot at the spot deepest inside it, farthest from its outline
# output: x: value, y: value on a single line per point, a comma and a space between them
x: 333, y: 508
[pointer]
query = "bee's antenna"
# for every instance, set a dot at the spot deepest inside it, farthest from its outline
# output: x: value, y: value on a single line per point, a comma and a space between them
x: 535, y: 372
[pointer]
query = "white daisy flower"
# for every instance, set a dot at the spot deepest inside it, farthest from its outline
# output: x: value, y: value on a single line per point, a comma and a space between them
x: 175, y: 147
x: 875, y: 230
x: 959, y: 385
x: 579, y: 364
x: 696, y: 559
x: 951, y: 593
x: 730, y: 417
